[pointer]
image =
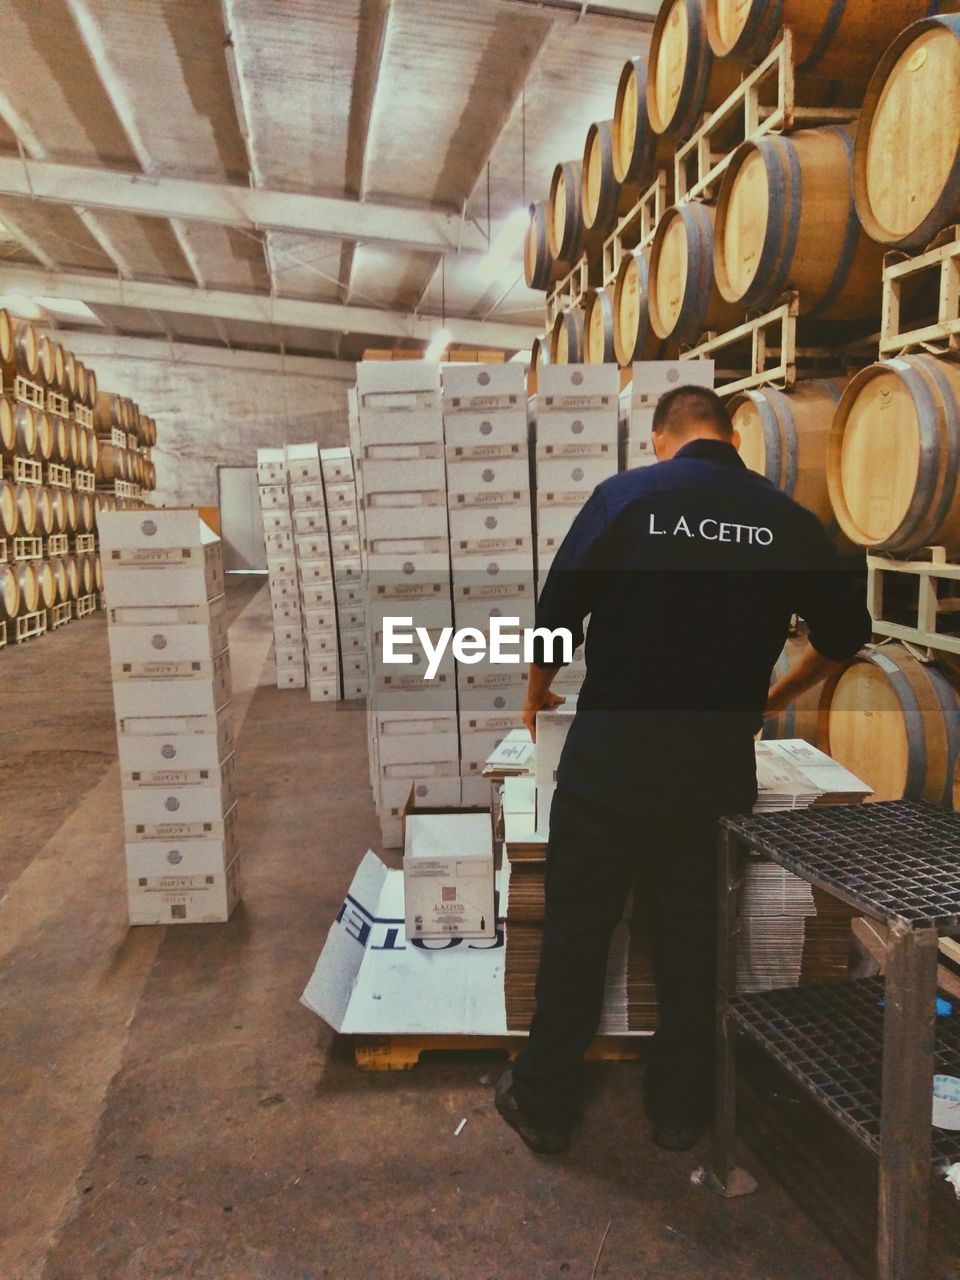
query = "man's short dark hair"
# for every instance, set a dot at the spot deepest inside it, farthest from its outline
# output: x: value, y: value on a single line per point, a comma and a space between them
x: 684, y: 408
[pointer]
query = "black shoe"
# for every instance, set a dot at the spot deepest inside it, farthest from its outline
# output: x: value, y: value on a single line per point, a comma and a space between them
x: 545, y: 1140
x: 676, y: 1137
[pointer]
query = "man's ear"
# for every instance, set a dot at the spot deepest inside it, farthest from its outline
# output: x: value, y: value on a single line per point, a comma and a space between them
x: 735, y: 439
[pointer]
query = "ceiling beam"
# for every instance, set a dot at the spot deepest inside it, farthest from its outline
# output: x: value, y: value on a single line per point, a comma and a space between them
x: 631, y: 10
x: 91, y: 346
x: 257, y: 308
x: 28, y: 242
x: 371, y: 40
x: 159, y: 196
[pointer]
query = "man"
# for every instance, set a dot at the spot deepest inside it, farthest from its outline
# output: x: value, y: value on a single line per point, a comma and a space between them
x: 689, y: 572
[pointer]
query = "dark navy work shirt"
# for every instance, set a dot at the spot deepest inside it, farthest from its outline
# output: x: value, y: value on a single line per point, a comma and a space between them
x: 689, y: 572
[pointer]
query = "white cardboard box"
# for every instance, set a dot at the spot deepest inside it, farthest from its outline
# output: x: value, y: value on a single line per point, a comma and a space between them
x: 343, y: 519
x: 172, y: 642
x: 185, y: 755
x: 324, y: 690
x: 312, y: 520
x: 573, y: 388
x: 308, y: 496
x: 345, y: 544
x: 290, y: 656
x: 422, y: 475
x: 148, y: 530
x: 315, y: 571
x: 291, y: 678
x: 201, y: 798
x: 271, y: 466
x: 151, y: 858
x: 313, y: 546
x: 572, y: 475
x: 303, y: 463
x: 321, y: 644
x: 504, y: 475
x: 448, y: 876
x: 340, y: 496
x: 274, y: 497
x: 176, y: 696
x: 475, y: 523
x: 395, y: 379
x: 279, y: 543
x: 552, y: 729
x: 317, y: 595
x: 477, y: 612
x: 336, y: 465
x: 287, y: 635
x: 197, y: 579
x: 319, y: 620
x: 277, y: 521
x: 483, y: 388
x: 432, y: 792
x: 187, y: 899
x: 427, y: 519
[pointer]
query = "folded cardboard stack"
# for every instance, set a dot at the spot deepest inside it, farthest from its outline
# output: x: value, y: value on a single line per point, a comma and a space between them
x: 163, y: 577
x: 790, y: 933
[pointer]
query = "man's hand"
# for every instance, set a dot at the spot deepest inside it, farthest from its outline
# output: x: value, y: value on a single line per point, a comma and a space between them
x: 539, y: 697
x: 809, y: 670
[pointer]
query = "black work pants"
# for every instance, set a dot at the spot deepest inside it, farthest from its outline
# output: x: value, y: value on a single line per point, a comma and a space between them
x: 596, y: 856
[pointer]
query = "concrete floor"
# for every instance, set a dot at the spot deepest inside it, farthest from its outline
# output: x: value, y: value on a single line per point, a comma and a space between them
x: 171, y: 1110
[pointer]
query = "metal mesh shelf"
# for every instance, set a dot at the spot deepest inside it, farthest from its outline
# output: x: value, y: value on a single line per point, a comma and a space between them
x: 898, y: 861
x: 830, y: 1039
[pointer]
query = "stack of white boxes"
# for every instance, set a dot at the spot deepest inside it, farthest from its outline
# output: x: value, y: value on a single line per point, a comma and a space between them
x: 281, y: 567
x: 651, y: 380
x: 491, y: 544
x: 413, y: 722
x: 314, y: 568
x: 340, y: 490
x: 163, y: 576
x: 578, y: 416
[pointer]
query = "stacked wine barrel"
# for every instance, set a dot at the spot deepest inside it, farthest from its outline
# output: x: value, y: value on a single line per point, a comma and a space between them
x: 875, y: 455
x: 51, y: 457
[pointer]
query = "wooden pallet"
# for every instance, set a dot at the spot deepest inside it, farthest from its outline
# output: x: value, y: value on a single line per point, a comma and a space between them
x: 28, y: 392
x: 83, y: 416
x: 84, y: 481
x: 56, y: 545
x: 402, y: 1053
x: 935, y: 600
x: 764, y: 352
x: 569, y: 291
x: 115, y: 436
x: 28, y: 548
x: 3, y: 635
x: 84, y: 542
x: 29, y: 625
x: 83, y: 606
x: 764, y: 102
x: 59, y: 477
x: 637, y: 227
x: 59, y: 616
x: 27, y: 471
x: 58, y: 404
x: 939, y: 269
x: 4, y: 550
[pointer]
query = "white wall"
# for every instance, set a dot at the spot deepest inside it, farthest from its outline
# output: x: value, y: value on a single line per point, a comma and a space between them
x: 217, y: 406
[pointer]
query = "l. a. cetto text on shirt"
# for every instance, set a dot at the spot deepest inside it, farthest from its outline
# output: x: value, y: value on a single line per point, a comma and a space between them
x: 716, y: 531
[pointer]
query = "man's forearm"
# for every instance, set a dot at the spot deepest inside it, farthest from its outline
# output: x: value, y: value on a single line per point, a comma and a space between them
x: 810, y: 668
x: 539, y: 697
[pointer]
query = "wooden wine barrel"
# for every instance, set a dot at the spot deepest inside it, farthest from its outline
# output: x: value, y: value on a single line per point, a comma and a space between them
x: 8, y: 430
x: 24, y: 428
x: 7, y: 364
x: 85, y: 517
x: 83, y: 449
x: 638, y: 151
x: 841, y: 39
x: 9, y: 593
x: 73, y: 438
x: 46, y: 584
x: 895, y: 723
x: 9, y: 512
x: 73, y: 576
x: 786, y: 220
x: 894, y: 455
x: 59, y: 568
x: 25, y: 355
x: 786, y: 439
x: 70, y: 374
x: 44, y: 508
x: 153, y: 432
x: 29, y: 586
x: 85, y: 568
x: 907, y: 164
x: 603, y: 196
x: 801, y: 719
x: 93, y: 450
x: 70, y: 508
x: 81, y: 376
x: 61, y: 439
x: 44, y: 429
x: 60, y: 368
x: 26, y: 510
x: 540, y: 268
x: 598, y: 327
x: 683, y: 78
x: 92, y: 389
x: 108, y: 412
x: 565, y: 212
x: 683, y: 297
x: 150, y: 479
x: 633, y: 335
x: 566, y: 343
x: 58, y: 503
x: 97, y: 572
x: 47, y: 367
